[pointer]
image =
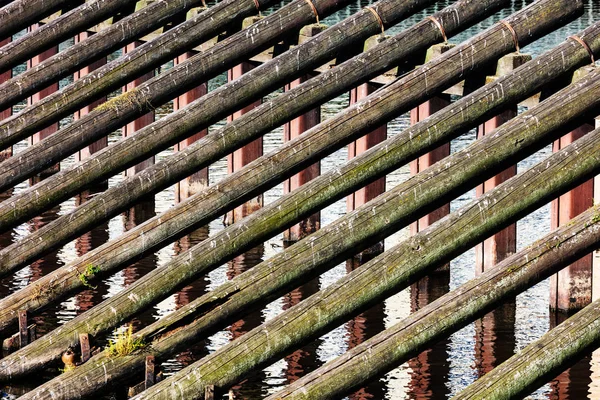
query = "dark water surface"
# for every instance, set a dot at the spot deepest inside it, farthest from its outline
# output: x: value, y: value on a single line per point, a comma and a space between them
x: 437, y: 373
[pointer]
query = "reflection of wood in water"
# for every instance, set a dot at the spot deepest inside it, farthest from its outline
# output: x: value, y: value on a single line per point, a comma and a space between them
x: 253, y: 386
x: 595, y: 375
x: 131, y: 218
x: 430, y: 369
x: 190, y: 293
x: 304, y: 360
x: 48, y: 319
x: 6, y: 239
x: 364, y: 327
x: 495, y: 338
x: 574, y: 383
x: 85, y: 243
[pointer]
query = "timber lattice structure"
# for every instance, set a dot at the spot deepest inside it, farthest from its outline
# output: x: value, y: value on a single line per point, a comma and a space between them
x: 518, y: 103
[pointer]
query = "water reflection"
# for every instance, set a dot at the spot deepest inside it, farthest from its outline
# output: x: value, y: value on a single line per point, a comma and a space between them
x: 253, y: 386
x: 87, y: 299
x: 430, y: 369
x: 495, y: 338
x: 364, y: 327
x: 574, y: 383
x: 131, y: 218
x: 303, y: 361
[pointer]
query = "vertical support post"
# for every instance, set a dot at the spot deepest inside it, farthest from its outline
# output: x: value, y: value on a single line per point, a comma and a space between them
x: 84, y: 344
x: 250, y: 152
x: 142, y: 121
x: 419, y: 114
x: 100, y: 143
x: 571, y: 288
x: 23, y: 331
x: 373, y: 189
x: 150, y: 377
x: 502, y: 244
x: 44, y: 133
x: 293, y: 129
x: 198, y: 180
x: 5, y: 153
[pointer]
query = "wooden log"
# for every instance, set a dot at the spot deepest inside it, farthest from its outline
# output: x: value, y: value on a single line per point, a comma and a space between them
x: 102, y: 142
x: 56, y: 31
x: 293, y: 129
x: 571, y: 288
x: 378, y: 135
x: 396, y: 208
x: 100, y: 45
x: 110, y: 256
x: 382, y: 277
x: 418, y: 114
x: 20, y: 14
x: 131, y: 127
x: 37, y: 97
x: 197, y: 181
x: 310, y: 53
x: 504, y: 243
x: 112, y: 76
x: 160, y: 89
x: 337, y: 241
x: 452, y: 312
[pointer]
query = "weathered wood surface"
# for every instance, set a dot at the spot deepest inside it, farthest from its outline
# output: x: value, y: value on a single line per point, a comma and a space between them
x: 382, y: 277
x: 547, y: 357
x: 470, y: 301
x: 270, y: 220
x: 101, y: 44
x: 214, y: 201
x: 221, y: 102
x: 164, y: 87
x: 318, y: 314
x: 19, y: 14
x: 112, y: 76
x: 64, y: 27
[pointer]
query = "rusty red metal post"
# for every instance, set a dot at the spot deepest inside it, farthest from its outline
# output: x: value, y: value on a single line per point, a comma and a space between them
x: 503, y: 243
x: 571, y: 288
x: 101, y: 143
x: 293, y: 129
x: 419, y: 114
x: 41, y: 135
x: 5, y: 153
x: 361, y: 145
x: 199, y: 180
x: 142, y: 121
x: 250, y: 152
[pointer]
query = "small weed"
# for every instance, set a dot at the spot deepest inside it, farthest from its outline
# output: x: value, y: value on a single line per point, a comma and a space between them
x: 89, y: 272
x: 124, y: 344
x: 67, y: 368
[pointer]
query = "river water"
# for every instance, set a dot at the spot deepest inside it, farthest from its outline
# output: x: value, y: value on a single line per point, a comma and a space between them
x: 438, y: 373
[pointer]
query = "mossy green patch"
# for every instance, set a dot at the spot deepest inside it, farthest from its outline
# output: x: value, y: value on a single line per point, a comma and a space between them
x: 124, y: 344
